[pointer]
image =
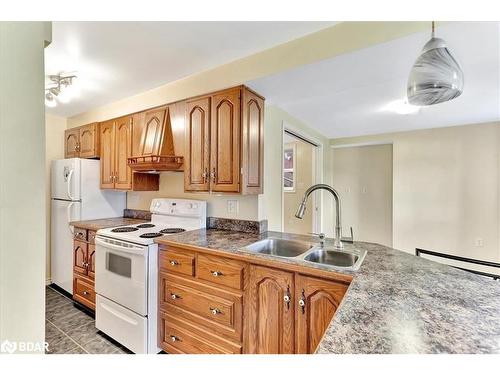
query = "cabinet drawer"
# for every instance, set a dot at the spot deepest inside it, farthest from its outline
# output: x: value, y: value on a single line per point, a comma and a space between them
x: 80, y: 234
x: 219, y: 310
x: 178, y: 336
x: 177, y: 261
x: 83, y: 291
x: 220, y: 271
x: 91, y: 236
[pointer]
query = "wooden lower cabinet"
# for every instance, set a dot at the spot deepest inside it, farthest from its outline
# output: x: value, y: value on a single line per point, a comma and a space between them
x: 270, y: 313
x: 84, y: 267
x: 320, y: 299
x: 257, y: 309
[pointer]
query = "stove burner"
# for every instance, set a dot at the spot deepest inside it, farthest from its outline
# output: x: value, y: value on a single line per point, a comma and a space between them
x: 145, y: 226
x: 150, y: 235
x: 124, y: 229
x: 172, y: 230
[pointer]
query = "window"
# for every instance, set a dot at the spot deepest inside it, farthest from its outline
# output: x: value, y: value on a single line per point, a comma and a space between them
x: 289, y: 168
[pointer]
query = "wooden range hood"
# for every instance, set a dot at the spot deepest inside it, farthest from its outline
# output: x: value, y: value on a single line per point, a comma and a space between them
x: 153, y: 142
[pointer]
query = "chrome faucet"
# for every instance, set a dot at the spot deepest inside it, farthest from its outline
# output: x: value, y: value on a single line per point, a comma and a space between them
x: 337, y: 242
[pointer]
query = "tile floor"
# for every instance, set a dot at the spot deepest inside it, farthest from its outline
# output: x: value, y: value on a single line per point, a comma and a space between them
x: 71, y: 331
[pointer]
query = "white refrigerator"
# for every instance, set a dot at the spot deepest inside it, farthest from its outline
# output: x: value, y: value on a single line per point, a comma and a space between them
x: 76, y: 195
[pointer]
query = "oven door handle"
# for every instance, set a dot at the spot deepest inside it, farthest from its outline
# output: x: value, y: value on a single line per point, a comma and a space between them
x: 132, y: 250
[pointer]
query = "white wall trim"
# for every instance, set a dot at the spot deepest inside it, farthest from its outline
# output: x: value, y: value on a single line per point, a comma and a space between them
x: 362, y: 144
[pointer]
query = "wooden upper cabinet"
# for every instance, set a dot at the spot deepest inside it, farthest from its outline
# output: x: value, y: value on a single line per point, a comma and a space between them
x: 321, y: 299
x: 270, y: 312
x: 82, y: 142
x: 89, y: 141
x: 71, y: 141
x: 225, y: 142
x: 252, y: 146
x: 107, y: 136
x: 122, y: 150
x: 197, y: 140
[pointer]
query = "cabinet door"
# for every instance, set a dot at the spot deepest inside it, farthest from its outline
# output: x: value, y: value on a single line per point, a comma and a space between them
x: 252, y: 147
x: 91, y: 261
x: 80, y: 257
x: 71, y: 142
x: 152, y: 131
x: 270, y: 323
x: 123, y: 144
x: 89, y: 141
x: 225, y: 142
x: 107, y: 154
x: 197, y: 143
x: 321, y: 299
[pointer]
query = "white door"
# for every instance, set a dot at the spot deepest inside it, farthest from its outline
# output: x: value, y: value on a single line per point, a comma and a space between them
x: 65, y: 174
x: 121, y: 273
x: 62, y: 212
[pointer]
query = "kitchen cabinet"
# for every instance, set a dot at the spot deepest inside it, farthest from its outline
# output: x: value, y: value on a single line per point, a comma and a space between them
x: 224, y: 142
x: 84, y: 267
x: 82, y: 142
x: 210, y: 303
x: 116, y: 144
x: 270, y: 312
x: 318, y: 299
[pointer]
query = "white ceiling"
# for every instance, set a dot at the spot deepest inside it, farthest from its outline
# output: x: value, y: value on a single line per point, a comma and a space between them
x: 114, y: 60
x: 344, y: 96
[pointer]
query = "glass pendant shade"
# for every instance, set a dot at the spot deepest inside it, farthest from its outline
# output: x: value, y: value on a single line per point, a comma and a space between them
x: 435, y: 77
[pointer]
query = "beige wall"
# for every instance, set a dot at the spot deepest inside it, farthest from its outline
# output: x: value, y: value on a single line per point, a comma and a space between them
x: 304, y: 178
x: 22, y: 174
x: 54, y: 149
x: 446, y: 189
x: 363, y: 178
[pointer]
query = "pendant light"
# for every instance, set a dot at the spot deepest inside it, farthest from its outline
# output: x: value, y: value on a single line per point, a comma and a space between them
x: 436, y: 76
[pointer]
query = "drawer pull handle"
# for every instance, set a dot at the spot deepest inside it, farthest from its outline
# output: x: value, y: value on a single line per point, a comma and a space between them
x: 174, y: 296
x: 215, y: 310
x: 174, y: 263
x: 174, y: 338
x: 216, y: 273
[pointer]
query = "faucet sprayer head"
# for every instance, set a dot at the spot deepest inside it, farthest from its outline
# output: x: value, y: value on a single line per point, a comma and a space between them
x: 301, y: 210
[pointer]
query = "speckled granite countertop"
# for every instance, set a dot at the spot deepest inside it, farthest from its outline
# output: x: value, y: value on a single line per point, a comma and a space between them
x: 396, y: 303
x: 105, y: 223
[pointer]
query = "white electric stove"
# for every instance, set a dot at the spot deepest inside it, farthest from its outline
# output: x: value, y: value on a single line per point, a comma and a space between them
x: 126, y: 272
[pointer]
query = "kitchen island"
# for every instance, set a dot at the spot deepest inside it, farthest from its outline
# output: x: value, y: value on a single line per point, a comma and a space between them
x: 395, y: 303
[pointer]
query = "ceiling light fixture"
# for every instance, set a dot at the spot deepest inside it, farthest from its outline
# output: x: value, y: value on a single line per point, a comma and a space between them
x: 60, y: 87
x: 436, y: 76
x: 401, y: 106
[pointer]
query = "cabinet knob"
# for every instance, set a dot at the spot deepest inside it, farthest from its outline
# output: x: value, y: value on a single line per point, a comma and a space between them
x: 215, y: 310
x: 216, y: 273
x: 302, y: 302
x: 85, y: 293
x: 174, y: 296
x: 174, y: 338
x: 174, y: 263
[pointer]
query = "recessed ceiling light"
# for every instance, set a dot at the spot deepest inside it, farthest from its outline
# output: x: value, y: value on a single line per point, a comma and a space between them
x: 401, y: 106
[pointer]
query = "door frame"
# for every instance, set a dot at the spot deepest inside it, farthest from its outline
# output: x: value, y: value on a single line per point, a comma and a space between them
x: 317, y: 222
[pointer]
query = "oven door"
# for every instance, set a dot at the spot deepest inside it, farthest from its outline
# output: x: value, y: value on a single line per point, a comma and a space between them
x: 121, y: 273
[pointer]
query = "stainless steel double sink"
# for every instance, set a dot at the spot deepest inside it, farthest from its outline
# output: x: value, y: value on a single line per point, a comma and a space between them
x: 309, y: 252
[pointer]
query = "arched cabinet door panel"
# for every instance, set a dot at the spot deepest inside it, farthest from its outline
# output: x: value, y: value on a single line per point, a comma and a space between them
x: 123, y: 145
x: 107, y: 135
x: 270, y: 326
x: 320, y: 299
x: 89, y: 141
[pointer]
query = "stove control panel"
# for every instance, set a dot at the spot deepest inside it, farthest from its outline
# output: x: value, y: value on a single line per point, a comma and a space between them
x: 178, y: 207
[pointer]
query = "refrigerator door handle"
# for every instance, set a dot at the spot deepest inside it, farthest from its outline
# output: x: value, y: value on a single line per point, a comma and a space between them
x: 70, y: 178
x: 69, y: 215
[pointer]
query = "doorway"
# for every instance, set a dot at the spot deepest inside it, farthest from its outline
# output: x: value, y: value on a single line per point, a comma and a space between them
x: 299, y: 173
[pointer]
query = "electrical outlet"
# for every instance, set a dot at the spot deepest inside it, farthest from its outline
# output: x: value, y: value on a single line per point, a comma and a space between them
x: 232, y: 206
x: 479, y: 242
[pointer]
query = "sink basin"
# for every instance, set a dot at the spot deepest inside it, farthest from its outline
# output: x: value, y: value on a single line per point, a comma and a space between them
x: 342, y: 259
x: 280, y: 247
